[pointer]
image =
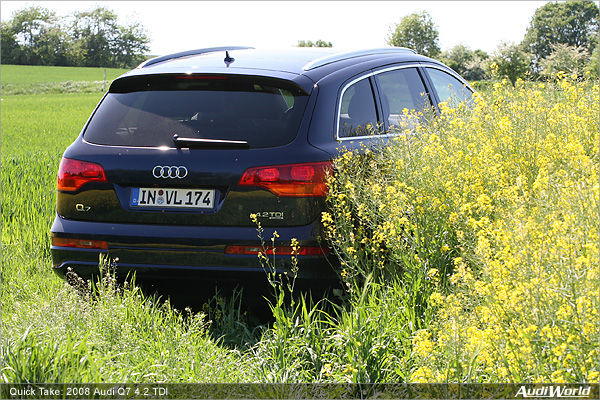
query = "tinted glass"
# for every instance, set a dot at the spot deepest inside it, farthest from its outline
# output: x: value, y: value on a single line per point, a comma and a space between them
x: 148, y: 111
x: 358, y: 115
x: 402, y: 92
x: 448, y: 86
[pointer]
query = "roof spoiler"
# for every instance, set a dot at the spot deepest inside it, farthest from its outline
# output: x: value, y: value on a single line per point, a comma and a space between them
x: 319, y: 62
x: 188, y: 53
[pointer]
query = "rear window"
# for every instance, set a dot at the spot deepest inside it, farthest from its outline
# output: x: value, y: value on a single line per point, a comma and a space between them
x: 147, y: 111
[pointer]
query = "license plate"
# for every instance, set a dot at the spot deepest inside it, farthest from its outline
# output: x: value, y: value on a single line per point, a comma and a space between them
x: 172, y: 198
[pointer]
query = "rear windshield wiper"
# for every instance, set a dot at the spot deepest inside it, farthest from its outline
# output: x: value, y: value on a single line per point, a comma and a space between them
x: 209, y: 143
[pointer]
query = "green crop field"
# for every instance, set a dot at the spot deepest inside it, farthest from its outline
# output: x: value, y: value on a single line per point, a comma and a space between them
x: 471, y: 256
x: 35, y: 75
x: 43, y: 123
x: 29, y: 79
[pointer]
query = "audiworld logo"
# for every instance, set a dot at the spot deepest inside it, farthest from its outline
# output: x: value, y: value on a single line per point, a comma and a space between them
x: 554, y: 392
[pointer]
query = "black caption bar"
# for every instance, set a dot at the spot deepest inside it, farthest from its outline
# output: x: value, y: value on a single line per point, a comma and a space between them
x: 299, y: 391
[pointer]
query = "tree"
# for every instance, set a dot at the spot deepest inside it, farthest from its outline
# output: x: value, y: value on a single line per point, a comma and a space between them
x: 571, y: 23
x: 318, y: 43
x: 458, y: 57
x: 593, y: 67
x: 27, y: 34
x: 130, y: 45
x: 510, y: 61
x: 29, y: 23
x: 569, y: 59
x: 36, y: 36
x: 96, y: 31
x: 416, y: 31
x: 104, y: 43
x: 476, y: 69
x: 52, y: 48
x: 9, y: 47
x: 466, y: 62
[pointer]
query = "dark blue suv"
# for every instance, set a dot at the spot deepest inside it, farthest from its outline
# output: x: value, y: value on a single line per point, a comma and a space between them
x: 183, y: 149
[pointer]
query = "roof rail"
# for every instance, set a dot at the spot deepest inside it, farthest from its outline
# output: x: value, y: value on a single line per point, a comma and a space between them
x: 187, y: 53
x: 319, y: 62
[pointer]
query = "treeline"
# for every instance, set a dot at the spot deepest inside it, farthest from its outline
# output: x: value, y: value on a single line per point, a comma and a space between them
x: 561, y: 36
x: 37, y: 36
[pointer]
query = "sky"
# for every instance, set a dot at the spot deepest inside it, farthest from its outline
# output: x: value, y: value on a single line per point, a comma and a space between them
x: 174, y: 26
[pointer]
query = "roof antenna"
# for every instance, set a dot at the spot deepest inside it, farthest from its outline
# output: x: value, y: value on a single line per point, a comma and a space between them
x: 228, y: 60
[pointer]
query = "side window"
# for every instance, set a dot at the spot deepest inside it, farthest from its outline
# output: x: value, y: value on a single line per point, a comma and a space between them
x: 401, y: 89
x: 358, y: 116
x: 448, y: 86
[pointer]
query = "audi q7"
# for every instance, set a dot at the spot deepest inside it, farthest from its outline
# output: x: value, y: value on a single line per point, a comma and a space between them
x: 183, y: 149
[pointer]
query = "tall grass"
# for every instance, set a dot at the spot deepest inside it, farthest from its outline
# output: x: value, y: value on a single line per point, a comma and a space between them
x: 107, y: 333
x: 35, y: 132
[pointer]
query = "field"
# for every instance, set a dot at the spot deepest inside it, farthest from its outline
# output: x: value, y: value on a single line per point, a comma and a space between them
x: 29, y: 79
x: 35, y: 75
x: 475, y: 240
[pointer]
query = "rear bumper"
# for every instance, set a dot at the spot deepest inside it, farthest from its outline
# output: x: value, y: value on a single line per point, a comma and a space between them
x: 186, y: 254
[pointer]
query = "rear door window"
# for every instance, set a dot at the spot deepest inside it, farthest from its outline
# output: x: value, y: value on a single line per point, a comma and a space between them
x: 147, y: 111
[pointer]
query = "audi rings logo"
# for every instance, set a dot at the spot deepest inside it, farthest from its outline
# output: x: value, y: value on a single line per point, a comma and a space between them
x: 169, y: 172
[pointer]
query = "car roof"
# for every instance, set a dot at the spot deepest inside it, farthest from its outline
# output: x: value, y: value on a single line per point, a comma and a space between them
x: 296, y: 60
x: 303, y: 65
x: 289, y: 60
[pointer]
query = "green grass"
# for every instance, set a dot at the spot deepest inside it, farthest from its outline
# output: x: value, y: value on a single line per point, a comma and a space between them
x: 46, y: 123
x: 32, y: 75
x: 35, y: 132
x: 29, y: 79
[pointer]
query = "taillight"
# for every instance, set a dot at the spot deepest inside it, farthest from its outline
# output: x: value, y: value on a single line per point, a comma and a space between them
x: 291, y: 180
x: 80, y: 243
x: 72, y: 174
x: 279, y: 250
